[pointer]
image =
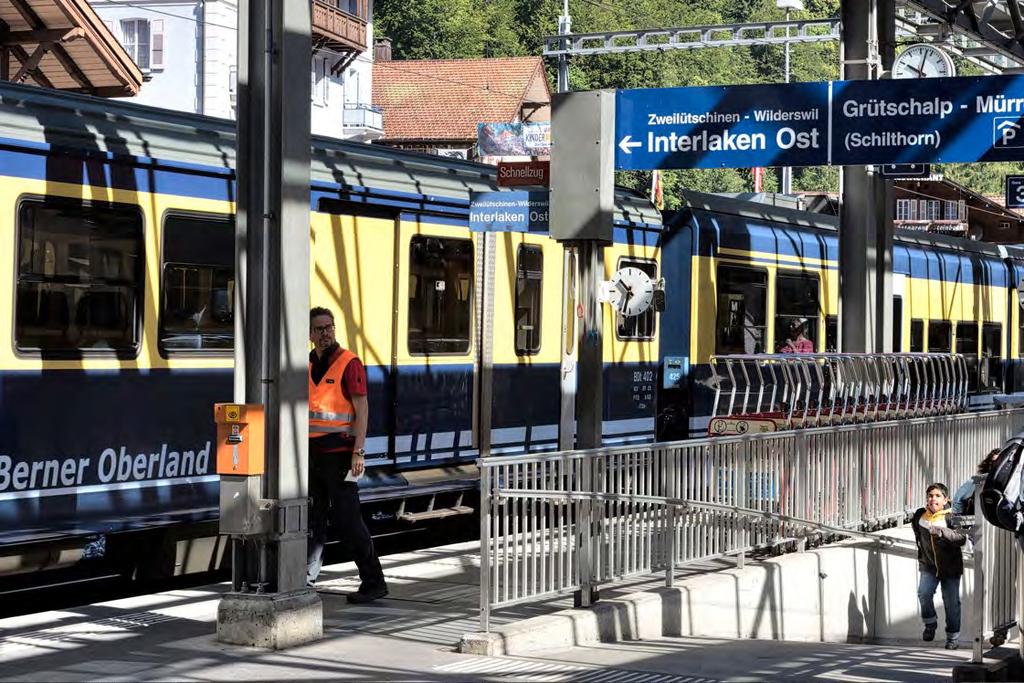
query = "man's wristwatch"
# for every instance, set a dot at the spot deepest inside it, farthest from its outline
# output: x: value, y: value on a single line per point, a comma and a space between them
x: 361, y: 452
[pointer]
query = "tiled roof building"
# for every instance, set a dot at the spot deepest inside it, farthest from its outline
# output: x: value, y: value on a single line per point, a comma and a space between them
x: 431, y: 104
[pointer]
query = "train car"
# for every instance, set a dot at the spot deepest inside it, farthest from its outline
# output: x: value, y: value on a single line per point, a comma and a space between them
x: 738, y: 274
x: 118, y: 335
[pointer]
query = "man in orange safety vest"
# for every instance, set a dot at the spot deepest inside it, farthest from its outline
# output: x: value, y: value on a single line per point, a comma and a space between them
x: 338, y: 413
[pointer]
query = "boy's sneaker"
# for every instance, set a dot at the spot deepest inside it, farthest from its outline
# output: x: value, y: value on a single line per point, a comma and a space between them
x: 929, y: 632
x: 952, y: 645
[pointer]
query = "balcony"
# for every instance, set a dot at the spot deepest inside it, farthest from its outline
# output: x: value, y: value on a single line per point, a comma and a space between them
x: 340, y: 24
x: 362, y: 122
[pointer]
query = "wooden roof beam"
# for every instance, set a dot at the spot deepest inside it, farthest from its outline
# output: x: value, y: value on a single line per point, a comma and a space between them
x: 59, y: 35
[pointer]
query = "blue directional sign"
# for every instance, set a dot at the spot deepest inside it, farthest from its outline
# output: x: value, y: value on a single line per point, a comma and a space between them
x: 1015, y: 191
x: 514, y: 211
x: 927, y: 120
x: 719, y: 127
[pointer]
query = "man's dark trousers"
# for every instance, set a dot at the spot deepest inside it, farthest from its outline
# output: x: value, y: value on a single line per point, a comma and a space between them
x: 332, y: 496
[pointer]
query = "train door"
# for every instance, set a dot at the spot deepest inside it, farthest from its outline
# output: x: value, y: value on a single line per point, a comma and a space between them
x: 434, y: 362
x: 518, y: 369
x: 353, y: 273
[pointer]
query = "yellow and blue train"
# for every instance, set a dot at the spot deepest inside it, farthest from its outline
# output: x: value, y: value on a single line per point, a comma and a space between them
x: 117, y: 334
x: 738, y: 274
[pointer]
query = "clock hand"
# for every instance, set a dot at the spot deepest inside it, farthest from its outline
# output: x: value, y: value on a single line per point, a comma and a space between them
x: 924, y: 57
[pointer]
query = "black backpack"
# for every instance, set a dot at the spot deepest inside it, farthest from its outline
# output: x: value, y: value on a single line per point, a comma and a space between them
x: 1000, y: 495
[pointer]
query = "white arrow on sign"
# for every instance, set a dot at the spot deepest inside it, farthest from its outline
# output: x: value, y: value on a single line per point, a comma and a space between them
x: 627, y: 147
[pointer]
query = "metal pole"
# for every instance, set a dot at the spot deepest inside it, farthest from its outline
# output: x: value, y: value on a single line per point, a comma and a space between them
x: 787, y: 171
x: 273, y: 200
x: 567, y: 376
x: 590, y: 394
x: 865, y: 236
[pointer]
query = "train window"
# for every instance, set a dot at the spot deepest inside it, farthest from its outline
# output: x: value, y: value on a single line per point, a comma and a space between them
x: 967, y: 337
x: 440, y: 294
x: 742, y: 310
x: 940, y: 336
x: 529, y: 278
x: 637, y: 326
x: 897, y: 324
x: 80, y: 275
x: 831, y: 334
x: 916, y: 336
x: 967, y: 344
x: 198, y: 284
x: 992, y: 355
x: 796, y: 302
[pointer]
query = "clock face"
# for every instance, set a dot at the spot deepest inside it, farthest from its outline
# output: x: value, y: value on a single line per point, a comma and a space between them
x: 632, y: 291
x: 922, y: 61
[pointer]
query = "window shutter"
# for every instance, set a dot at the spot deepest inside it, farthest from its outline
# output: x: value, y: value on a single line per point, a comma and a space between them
x: 327, y: 80
x: 157, y: 37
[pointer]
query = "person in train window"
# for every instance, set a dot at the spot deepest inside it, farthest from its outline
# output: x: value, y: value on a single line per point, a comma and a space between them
x: 338, y: 413
x: 796, y: 341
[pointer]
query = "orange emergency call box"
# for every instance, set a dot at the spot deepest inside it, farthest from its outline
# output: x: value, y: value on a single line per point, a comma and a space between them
x: 239, y: 438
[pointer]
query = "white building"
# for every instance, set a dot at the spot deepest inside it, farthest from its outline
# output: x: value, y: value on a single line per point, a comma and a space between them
x: 188, y: 52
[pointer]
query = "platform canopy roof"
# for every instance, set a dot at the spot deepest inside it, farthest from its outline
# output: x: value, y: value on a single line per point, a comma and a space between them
x: 63, y: 44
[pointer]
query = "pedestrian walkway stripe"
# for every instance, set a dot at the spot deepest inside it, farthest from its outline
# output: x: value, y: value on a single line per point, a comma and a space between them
x: 531, y: 670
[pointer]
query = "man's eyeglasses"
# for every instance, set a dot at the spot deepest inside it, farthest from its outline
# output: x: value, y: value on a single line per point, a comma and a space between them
x: 320, y: 329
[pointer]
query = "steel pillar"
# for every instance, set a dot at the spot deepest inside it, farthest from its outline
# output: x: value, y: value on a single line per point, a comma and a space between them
x: 866, y: 229
x: 271, y: 347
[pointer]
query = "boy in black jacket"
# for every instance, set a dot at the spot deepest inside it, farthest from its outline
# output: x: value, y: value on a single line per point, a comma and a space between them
x: 941, y: 562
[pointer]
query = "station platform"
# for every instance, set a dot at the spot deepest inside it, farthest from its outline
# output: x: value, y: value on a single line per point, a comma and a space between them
x: 411, y: 635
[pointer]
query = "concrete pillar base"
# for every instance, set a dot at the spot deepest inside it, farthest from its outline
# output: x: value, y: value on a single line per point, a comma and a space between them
x: 274, y: 621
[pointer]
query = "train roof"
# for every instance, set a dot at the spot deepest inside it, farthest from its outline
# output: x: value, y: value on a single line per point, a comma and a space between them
x: 47, y: 118
x: 823, y: 222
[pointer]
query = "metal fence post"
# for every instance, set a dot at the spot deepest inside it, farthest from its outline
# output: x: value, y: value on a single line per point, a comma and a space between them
x: 670, y: 567
x: 742, y: 501
x: 485, y: 547
x: 585, y: 534
x: 980, y: 538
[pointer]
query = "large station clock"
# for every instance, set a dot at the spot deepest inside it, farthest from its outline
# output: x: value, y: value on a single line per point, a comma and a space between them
x: 923, y: 61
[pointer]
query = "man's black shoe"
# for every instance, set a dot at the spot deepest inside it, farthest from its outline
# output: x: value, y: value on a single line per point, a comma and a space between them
x: 363, y: 596
x: 929, y: 632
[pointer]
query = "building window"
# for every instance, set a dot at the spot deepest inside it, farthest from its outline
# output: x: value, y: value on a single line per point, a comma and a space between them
x: 637, y: 326
x: 80, y: 275
x: 198, y: 284
x: 952, y: 210
x: 135, y: 38
x: 440, y: 294
x: 742, y: 310
x: 796, y: 301
x: 321, y: 81
x: 905, y: 209
x: 929, y: 210
x: 529, y: 290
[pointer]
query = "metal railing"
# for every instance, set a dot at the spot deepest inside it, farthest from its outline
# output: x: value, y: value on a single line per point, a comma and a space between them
x: 777, y: 392
x: 560, y: 523
x: 997, y: 590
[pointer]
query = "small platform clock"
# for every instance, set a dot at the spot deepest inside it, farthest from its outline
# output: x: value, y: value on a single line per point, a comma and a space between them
x: 923, y: 61
x: 631, y: 291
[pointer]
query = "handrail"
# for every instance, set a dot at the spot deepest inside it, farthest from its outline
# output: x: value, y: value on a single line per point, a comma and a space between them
x: 547, y: 494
